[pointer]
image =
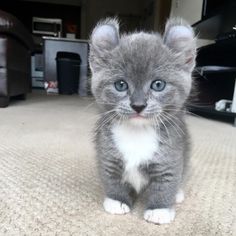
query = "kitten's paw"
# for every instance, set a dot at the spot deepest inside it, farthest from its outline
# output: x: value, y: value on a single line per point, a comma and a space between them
x: 179, y: 198
x: 160, y: 216
x: 115, y: 207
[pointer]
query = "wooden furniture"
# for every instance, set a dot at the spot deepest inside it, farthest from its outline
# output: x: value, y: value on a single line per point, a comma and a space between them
x: 16, y: 45
x: 53, y: 45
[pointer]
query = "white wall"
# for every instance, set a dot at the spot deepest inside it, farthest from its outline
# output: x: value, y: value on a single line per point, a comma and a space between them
x: 190, y: 10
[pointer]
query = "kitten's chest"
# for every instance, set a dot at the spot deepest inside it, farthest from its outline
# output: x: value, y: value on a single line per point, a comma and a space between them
x: 137, y: 146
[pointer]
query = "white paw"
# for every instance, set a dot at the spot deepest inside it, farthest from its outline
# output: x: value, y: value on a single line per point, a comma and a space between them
x: 159, y: 216
x: 179, y: 198
x: 115, y: 207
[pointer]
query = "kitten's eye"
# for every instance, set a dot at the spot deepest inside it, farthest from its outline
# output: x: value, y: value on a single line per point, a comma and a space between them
x: 158, y: 85
x: 121, y: 85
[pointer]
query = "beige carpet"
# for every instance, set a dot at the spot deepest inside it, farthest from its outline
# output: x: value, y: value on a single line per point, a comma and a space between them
x: 49, y: 184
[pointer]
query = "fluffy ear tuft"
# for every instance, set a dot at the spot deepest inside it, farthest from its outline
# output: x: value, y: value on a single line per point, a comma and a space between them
x: 105, y: 35
x: 179, y: 37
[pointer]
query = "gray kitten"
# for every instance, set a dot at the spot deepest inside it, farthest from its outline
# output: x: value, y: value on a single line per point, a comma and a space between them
x: 141, y: 82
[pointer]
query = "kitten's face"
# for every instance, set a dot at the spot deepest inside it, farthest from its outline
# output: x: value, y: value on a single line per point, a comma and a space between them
x: 138, y: 78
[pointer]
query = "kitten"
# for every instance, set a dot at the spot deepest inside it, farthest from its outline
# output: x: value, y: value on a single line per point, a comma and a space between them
x: 141, y: 82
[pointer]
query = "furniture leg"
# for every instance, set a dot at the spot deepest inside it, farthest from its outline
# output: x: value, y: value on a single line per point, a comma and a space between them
x: 4, y: 102
x: 22, y: 96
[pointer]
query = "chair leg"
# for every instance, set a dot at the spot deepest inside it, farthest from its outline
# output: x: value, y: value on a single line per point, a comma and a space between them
x: 4, y: 101
x: 22, y: 96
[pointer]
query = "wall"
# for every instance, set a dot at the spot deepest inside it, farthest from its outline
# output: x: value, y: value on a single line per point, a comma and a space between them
x: 135, y: 14
x: 65, y: 2
x: 26, y: 10
x: 162, y: 13
x: 94, y: 10
x: 149, y: 14
x: 190, y: 10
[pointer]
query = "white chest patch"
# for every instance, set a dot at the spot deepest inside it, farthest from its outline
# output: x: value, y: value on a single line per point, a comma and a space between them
x: 137, y: 144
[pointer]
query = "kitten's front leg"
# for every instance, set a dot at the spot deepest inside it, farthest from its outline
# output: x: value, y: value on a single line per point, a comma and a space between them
x: 118, y: 199
x: 161, y: 199
x: 119, y: 196
x: 115, y: 207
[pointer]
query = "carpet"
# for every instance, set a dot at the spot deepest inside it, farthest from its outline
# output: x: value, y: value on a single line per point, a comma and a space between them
x: 49, y: 183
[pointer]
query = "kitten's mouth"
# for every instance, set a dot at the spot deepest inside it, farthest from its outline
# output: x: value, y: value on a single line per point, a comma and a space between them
x: 138, y: 120
x: 137, y: 116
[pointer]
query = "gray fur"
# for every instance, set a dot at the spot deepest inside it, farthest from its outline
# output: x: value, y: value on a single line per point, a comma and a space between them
x: 139, y: 59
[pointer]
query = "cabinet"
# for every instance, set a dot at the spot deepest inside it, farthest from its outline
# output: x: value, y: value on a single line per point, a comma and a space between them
x: 219, y: 83
x: 216, y: 63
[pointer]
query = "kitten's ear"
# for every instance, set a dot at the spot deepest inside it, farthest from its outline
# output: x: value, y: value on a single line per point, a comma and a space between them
x: 104, y: 38
x: 179, y: 37
x: 105, y: 35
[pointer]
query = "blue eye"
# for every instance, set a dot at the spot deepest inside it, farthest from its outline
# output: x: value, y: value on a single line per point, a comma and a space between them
x: 121, y: 85
x: 158, y: 85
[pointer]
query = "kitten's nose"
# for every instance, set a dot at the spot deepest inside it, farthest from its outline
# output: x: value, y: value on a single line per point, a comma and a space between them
x: 138, y: 108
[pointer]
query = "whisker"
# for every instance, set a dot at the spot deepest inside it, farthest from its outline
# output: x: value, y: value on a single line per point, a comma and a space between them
x: 105, y: 121
x: 161, y: 138
x: 101, y: 114
x: 172, y: 116
x: 173, y: 124
x: 88, y: 106
x: 106, y: 103
x: 167, y: 131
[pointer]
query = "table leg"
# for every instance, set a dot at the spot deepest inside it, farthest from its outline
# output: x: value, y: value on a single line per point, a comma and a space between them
x: 233, y: 109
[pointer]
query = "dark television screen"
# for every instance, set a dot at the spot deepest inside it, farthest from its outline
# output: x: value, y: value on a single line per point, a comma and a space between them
x: 213, y: 7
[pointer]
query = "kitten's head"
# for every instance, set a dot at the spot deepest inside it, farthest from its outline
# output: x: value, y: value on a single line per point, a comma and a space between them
x: 142, y: 76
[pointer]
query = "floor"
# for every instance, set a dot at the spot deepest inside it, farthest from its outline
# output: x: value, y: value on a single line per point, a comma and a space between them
x: 49, y: 183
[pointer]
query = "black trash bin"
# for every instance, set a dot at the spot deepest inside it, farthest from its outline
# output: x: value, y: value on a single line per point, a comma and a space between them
x: 68, y: 71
